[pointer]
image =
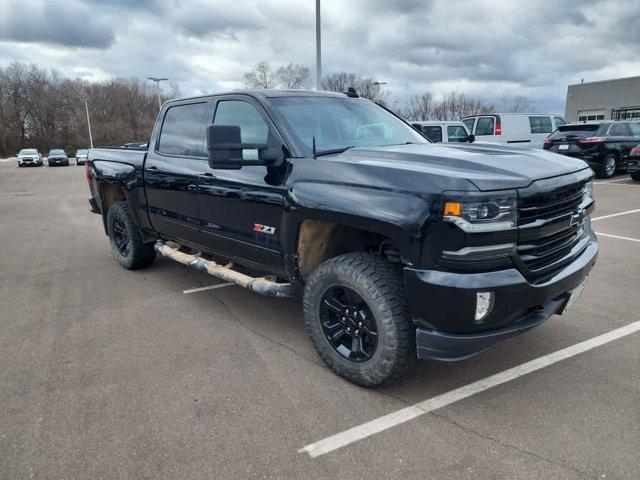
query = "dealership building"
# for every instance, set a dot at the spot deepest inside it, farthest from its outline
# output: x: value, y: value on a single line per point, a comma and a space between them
x: 617, y: 99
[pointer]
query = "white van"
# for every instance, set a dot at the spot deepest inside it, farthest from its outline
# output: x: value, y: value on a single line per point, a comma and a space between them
x: 515, y: 129
x: 441, y: 131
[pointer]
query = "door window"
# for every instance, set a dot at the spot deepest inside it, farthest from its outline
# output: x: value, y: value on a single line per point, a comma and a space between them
x: 485, y: 126
x: 433, y: 133
x: 181, y: 132
x: 619, y: 130
x: 457, y: 133
x: 253, y: 128
x: 635, y: 130
x: 540, y: 124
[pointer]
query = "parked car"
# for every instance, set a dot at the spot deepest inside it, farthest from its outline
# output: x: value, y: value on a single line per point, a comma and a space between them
x: 445, y: 132
x: 81, y: 156
x: 30, y: 157
x: 516, y: 129
x: 605, y: 146
x: 634, y: 163
x: 398, y: 246
x: 57, y: 156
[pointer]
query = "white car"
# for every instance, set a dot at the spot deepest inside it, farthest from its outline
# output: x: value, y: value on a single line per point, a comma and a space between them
x: 441, y: 131
x: 515, y: 129
x: 30, y: 156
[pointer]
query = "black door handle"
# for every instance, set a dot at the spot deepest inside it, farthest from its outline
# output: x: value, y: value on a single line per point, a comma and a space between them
x: 206, y: 175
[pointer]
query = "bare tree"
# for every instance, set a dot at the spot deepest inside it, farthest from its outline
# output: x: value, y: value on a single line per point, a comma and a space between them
x: 516, y: 104
x: 419, y: 107
x: 293, y: 76
x: 366, y: 87
x: 259, y: 77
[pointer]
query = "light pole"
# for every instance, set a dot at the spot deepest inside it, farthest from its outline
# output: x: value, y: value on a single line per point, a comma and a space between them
x: 158, y: 80
x: 318, y: 48
x: 86, y: 106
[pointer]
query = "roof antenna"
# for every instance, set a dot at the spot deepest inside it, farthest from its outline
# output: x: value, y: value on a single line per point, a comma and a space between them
x: 351, y: 93
x: 313, y: 149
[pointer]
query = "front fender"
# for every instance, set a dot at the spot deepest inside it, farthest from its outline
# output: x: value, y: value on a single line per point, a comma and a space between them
x: 399, y: 216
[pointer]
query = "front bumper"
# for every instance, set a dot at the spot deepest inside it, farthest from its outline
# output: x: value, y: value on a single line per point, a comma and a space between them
x: 443, y: 305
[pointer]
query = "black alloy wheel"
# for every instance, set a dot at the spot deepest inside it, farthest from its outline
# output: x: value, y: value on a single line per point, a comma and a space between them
x: 120, y: 236
x: 348, y: 324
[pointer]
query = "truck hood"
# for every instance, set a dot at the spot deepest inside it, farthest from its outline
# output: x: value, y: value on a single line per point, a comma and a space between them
x: 488, y: 167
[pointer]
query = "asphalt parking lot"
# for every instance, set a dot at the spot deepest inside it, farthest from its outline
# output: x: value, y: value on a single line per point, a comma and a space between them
x: 108, y: 373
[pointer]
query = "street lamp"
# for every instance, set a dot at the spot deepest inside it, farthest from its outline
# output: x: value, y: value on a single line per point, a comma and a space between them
x: 318, y: 48
x: 158, y: 80
x: 379, y: 83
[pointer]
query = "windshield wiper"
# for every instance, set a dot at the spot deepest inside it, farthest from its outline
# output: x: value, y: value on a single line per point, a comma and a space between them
x: 318, y: 153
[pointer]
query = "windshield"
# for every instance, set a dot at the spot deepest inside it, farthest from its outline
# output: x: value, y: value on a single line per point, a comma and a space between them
x: 56, y: 152
x: 338, y: 123
x: 81, y: 152
x: 28, y: 151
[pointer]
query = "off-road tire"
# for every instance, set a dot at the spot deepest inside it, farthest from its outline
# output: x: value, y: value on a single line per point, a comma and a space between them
x: 635, y: 176
x: 602, y: 171
x: 381, y: 286
x: 138, y: 254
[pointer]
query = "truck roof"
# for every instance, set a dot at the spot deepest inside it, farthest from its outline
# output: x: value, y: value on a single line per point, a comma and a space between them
x: 267, y: 93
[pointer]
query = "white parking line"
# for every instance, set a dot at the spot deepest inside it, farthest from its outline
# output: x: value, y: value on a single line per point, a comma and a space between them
x: 210, y: 287
x: 603, y: 182
x: 398, y: 417
x: 615, y: 214
x: 618, y: 237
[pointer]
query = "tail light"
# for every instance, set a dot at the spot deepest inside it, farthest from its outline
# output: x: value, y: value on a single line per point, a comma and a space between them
x: 87, y: 172
x: 548, y: 141
x: 635, y: 151
x: 498, y: 130
x: 593, y: 140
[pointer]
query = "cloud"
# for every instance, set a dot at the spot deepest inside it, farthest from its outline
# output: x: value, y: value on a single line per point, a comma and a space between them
x: 489, y: 49
x: 70, y: 24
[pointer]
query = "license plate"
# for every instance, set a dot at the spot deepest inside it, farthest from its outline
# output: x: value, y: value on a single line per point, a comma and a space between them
x: 575, y: 294
x: 563, y: 147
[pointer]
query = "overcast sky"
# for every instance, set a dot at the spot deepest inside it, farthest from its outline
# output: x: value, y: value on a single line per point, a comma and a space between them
x: 488, y: 49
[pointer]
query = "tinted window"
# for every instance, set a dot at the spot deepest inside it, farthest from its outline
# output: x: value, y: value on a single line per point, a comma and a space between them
x: 485, y: 126
x: 635, y: 130
x: 433, y: 133
x: 182, y: 131
x: 540, y: 124
x: 253, y: 128
x: 619, y: 130
x: 457, y: 133
x: 469, y: 123
x: 575, y: 130
x: 340, y: 122
x: 28, y: 151
x: 560, y: 121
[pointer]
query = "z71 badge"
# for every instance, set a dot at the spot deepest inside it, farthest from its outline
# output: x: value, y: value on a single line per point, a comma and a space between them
x: 264, y: 229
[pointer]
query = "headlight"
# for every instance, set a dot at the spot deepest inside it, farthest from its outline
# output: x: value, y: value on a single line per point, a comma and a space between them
x: 587, y: 190
x: 481, y: 212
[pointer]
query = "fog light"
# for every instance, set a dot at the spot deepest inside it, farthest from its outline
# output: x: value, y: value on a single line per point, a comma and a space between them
x: 484, y: 304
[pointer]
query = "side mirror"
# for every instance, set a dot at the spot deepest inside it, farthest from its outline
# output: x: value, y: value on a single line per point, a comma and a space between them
x: 472, y: 138
x: 224, y: 146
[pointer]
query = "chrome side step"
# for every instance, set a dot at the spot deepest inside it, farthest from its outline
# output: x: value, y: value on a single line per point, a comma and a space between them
x: 258, y: 285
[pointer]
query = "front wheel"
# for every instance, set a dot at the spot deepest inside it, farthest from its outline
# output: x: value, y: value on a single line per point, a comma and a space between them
x: 126, y: 241
x: 609, y: 166
x: 357, y: 316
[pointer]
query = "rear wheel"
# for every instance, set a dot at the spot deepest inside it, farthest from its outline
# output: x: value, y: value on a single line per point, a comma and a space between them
x: 126, y: 241
x: 357, y: 316
x: 609, y: 166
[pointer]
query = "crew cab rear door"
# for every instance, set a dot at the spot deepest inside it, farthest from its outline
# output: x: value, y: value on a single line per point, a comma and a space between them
x: 241, y: 210
x: 171, y: 168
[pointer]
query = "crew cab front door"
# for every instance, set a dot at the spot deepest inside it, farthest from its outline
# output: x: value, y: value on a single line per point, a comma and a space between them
x: 241, y: 210
x: 170, y: 172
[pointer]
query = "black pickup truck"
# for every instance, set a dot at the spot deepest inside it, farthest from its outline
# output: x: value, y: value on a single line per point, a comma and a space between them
x: 399, y: 247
